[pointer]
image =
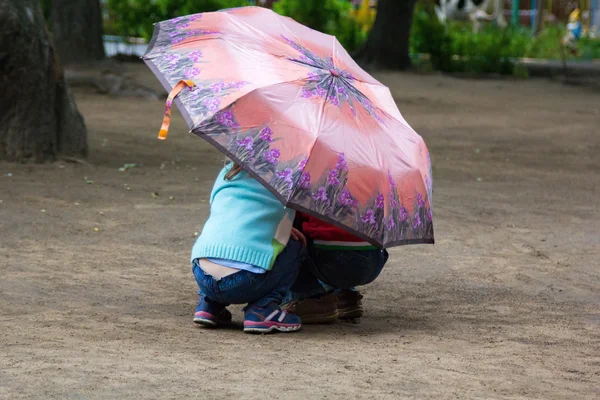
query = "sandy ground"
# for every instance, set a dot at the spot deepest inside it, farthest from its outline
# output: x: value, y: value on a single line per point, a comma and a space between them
x: 506, y: 305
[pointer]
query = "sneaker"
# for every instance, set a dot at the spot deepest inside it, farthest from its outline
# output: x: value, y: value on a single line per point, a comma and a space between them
x: 269, y: 319
x: 349, y: 304
x: 322, y: 310
x: 210, y: 314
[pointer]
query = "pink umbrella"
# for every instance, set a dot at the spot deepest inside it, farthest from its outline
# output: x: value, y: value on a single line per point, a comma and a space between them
x: 292, y: 107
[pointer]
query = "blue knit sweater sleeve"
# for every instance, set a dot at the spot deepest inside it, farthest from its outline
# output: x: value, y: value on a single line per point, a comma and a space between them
x: 247, y: 223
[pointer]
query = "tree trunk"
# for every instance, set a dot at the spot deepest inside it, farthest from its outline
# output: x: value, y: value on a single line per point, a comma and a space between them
x: 388, y: 43
x: 539, y: 16
x: 77, y: 29
x: 38, y: 116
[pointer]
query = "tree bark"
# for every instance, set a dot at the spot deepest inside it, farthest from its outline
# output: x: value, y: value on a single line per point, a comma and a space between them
x: 38, y: 117
x: 77, y: 29
x: 388, y: 43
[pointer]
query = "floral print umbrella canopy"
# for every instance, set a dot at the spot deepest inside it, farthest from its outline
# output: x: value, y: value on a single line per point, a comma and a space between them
x: 290, y: 105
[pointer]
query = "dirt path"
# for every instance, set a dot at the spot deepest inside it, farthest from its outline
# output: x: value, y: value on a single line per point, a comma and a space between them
x: 506, y: 305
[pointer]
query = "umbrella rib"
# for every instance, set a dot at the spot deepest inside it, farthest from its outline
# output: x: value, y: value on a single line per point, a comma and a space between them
x: 331, y: 67
x: 193, y: 129
x: 382, y: 110
x: 320, y: 120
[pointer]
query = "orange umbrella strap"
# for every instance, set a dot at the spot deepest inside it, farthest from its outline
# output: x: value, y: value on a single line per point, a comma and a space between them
x: 164, y: 129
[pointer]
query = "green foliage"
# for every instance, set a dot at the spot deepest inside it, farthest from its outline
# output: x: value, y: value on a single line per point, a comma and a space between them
x: 456, y: 48
x: 589, y: 48
x: 131, y: 18
x: 429, y: 37
x: 350, y: 34
x: 329, y: 16
x: 45, y: 8
x: 487, y: 52
x: 135, y: 17
x: 545, y: 45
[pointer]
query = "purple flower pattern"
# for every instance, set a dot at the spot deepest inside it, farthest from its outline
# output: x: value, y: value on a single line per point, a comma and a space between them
x: 177, y: 30
x: 345, y: 198
x: 332, y: 179
x: 379, y: 202
x: 212, y: 103
x: 389, y: 223
x: 327, y: 194
x: 417, y: 221
x: 217, y: 87
x: 329, y: 82
x: 369, y: 217
x: 267, y: 134
x: 319, y: 91
x: 247, y: 143
x: 402, y: 214
x: 226, y: 118
x: 304, y: 182
x: 204, y: 99
x: 341, y: 163
x: 287, y: 175
x: 195, y: 56
x: 321, y: 194
x: 191, y: 73
x: 272, y: 156
x: 302, y: 164
x: 177, y: 63
x: 420, y: 201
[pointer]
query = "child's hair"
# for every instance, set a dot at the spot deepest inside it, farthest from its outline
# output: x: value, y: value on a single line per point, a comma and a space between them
x: 233, y: 172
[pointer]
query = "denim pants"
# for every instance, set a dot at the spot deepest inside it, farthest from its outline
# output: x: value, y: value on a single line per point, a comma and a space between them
x: 255, y: 289
x: 328, y: 270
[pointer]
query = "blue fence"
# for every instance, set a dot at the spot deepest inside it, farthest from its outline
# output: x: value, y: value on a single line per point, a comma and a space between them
x: 114, y: 45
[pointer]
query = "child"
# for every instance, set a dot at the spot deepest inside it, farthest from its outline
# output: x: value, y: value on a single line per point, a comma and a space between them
x: 244, y: 255
x: 338, y: 261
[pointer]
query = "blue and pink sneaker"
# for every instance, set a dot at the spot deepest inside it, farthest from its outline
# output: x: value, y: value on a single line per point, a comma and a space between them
x: 210, y: 314
x: 269, y: 319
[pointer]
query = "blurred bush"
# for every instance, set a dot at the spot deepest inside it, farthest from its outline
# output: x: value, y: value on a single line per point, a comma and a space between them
x: 334, y: 17
x: 589, y: 48
x: 365, y: 15
x: 135, y: 18
x: 451, y: 48
x: 456, y: 48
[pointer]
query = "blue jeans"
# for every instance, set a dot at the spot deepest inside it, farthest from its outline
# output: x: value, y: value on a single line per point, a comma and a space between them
x: 255, y: 289
x: 328, y: 270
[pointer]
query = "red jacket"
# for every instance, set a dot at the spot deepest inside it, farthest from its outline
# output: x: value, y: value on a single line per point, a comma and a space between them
x: 327, y: 235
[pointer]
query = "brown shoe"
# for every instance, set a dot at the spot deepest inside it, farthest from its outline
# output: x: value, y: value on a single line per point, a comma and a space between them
x: 322, y: 310
x: 349, y: 305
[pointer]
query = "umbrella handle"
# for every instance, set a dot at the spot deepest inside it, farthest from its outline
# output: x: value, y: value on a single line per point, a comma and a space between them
x: 164, y: 129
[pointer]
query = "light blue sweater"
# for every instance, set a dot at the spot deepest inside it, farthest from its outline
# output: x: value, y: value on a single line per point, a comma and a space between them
x: 247, y: 223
